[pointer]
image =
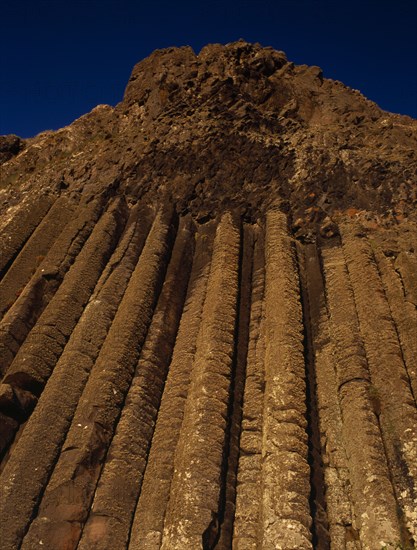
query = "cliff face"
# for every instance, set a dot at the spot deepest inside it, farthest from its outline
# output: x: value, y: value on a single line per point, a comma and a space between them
x: 208, y: 304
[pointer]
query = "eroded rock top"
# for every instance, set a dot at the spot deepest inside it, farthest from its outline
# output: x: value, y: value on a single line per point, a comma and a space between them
x: 237, y: 125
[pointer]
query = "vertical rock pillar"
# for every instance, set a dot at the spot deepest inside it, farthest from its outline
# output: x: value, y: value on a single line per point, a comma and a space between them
x: 192, y: 512
x: 285, y: 471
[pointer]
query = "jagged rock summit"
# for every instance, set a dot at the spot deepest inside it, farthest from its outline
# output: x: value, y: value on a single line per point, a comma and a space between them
x: 234, y: 126
x: 208, y: 311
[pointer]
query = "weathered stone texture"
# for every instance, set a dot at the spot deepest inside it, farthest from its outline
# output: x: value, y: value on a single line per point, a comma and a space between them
x: 285, y: 513
x: 208, y: 316
x: 196, y: 483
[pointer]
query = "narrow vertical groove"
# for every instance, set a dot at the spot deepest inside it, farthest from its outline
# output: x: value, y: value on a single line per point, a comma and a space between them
x: 191, y: 521
x: 312, y: 292
x: 59, y: 522
x: 147, y: 526
x: 26, y: 475
x: 247, y: 529
x: 231, y: 452
x: 111, y: 513
x: 286, y: 519
x: 337, y: 492
x: 406, y: 267
x: 398, y: 413
x: 374, y: 504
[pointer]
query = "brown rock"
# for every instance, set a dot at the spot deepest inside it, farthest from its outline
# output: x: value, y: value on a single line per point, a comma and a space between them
x: 217, y: 381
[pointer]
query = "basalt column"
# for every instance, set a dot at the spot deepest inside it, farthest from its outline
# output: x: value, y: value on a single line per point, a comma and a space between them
x: 195, y: 490
x: 285, y: 511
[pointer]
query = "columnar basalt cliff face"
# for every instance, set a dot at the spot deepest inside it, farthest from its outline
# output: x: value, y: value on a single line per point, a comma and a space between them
x: 208, y: 316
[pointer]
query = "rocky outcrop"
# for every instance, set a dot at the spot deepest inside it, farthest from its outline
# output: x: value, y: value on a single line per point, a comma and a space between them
x: 208, y: 316
x: 235, y: 126
x: 10, y: 146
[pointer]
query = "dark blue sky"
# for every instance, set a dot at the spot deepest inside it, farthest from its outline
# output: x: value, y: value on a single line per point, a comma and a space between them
x: 59, y: 59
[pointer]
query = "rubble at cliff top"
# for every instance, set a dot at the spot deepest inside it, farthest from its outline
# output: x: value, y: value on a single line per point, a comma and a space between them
x: 236, y: 126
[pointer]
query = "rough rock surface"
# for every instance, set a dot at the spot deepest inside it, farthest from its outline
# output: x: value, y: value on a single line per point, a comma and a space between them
x: 208, y: 316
